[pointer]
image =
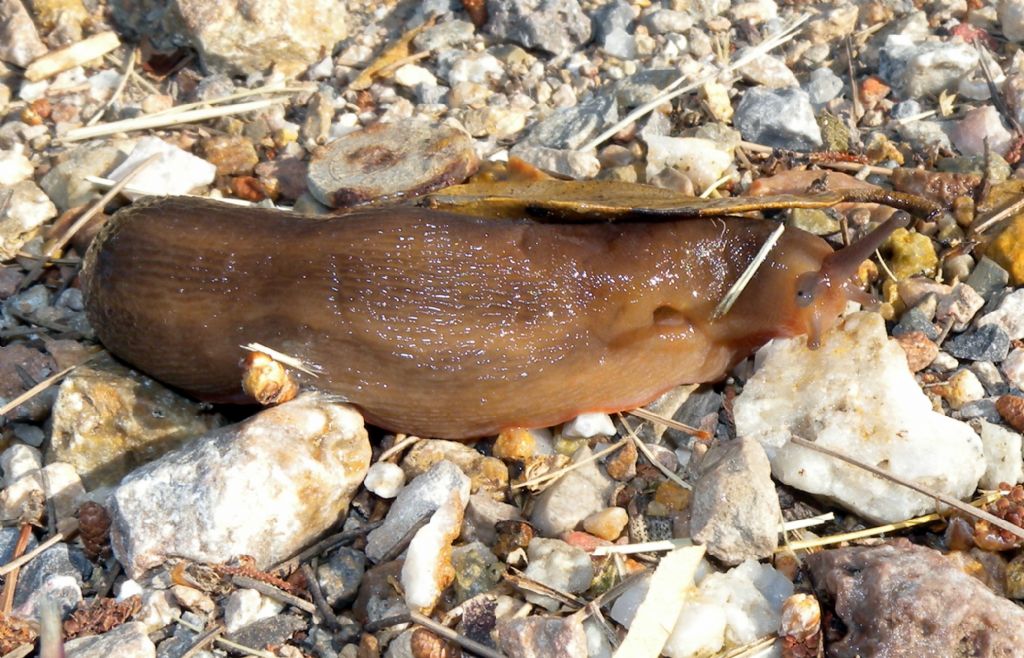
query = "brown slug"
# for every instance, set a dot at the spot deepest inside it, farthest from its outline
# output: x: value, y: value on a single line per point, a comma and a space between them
x: 449, y: 325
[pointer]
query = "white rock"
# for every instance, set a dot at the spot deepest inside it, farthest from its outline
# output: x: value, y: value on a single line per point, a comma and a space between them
x: 1009, y: 315
x: 265, y: 488
x: 481, y: 68
x: 981, y: 125
x: 175, y: 171
x: 963, y: 387
x: 589, y: 425
x: 1013, y: 368
x: 57, y: 482
x: 423, y: 496
x: 14, y: 167
x: 768, y: 71
x: 702, y: 160
x: 574, y: 497
x: 245, y: 606
x: 385, y: 479
x: 752, y: 595
x: 1011, y: 18
x: 867, y: 405
x: 699, y: 631
x: 411, y: 75
x: 158, y: 609
x: 427, y: 569
x: 1003, y: 460
x: 18, y: 461
x: 129, y: 640
x: 26, y: 209
x: 558, y: 565
x: 127, y: 589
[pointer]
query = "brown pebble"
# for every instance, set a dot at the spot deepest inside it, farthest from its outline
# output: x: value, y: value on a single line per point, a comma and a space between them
x: 920, y: 350
x: 267, y: 380
x: 514, y: 444
x: 388, y: 160
x: 232, y: 155
x: 511, y: 535
x: 621, y: 465
x: 425, y: 644
x: 1011, y: 408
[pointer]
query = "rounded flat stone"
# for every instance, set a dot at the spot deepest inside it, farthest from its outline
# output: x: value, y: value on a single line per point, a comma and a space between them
x: 388, y: 160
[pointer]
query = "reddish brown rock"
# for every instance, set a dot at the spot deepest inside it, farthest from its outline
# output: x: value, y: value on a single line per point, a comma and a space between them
x: 899, y: 600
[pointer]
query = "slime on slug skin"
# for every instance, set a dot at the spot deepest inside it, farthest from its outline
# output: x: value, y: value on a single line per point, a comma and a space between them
x: 449, y: 325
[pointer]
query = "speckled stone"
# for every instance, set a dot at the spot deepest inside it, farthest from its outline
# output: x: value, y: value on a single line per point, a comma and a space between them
x: 987, y: 343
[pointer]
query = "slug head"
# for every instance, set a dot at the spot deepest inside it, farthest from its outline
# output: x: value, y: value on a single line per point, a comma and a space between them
x: 821, y: 295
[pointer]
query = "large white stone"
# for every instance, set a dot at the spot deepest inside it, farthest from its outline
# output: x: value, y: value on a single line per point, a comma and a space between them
x: 175, y: 171
x: 856, y: 395
x: 265, y: 487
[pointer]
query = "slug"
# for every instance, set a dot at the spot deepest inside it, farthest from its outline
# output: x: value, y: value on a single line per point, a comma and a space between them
x: 449, y: 325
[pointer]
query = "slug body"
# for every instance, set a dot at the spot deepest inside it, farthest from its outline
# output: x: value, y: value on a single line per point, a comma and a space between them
x: 447, y: 325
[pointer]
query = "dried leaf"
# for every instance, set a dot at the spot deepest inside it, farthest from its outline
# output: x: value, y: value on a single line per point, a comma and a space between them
x: 398, y: 51
x: 14, y: 633
x: 100, y: 616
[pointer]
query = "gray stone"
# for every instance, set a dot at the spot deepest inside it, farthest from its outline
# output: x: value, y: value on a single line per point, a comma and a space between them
x: 9, y: 539
x: 906, y: 109
x: 340, y: 575
x: 924, y: 69
x: 272, y: 631
x: 555, y: 26
x: 543, y: 637
x: 577, y: 165
x: 767, y: 71
x: 66, y: 183
x: 570, y: 127
x: 990, y: 377
x: 987, y: 343
x: 988, y: 278
x: 444, y: 35
x: 735, y: 510
x: 109, y: 420
x: 129, y: 640
x: 481, y: 514
x: 265, y: 487
x: 57, y: 573
x: 668, y: 21
x: 19, y: 40
x: 642, y: 86
x: 416, y: 502
x: 823, y: 85
x: 615, y: 16
x: 240, y: 36
x: 984, y: 408
x: 572, y: 498
x: 781, y: 118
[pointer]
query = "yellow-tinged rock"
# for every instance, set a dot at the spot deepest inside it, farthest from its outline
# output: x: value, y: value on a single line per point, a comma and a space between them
x: 911, y: 253
x: 1008, y: 250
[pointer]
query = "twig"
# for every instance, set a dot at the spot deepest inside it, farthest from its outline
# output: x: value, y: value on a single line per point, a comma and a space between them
x: 554, y: 475
x: 448, y: 634
x: 40, y: 387
x: 999, y: 216
x: 642, y: 447
x: 310, y: 369
x: 227, y: 643
x: 671, y: 90
x: 387, y: 622
x: 71, y: 56
x: 741, y: 283
x: 810, y: 522
x: 266, y: 89
x: 56, y: 245
x: 856, y: 167
x: 318, y: 597
x: 273, y: 592
x: 162, y: 121
x: 11, y: 582
x: 536, y: 587
x: 854, y: 535
x: 642, y: 547
x: 22, y: 651
x: 205, y: 639
x: 34, y: 553
x: 324, y: 544
x: 941, y: 497
x: 398, y: 447
x: 649, y: 415
x: 129, y: 66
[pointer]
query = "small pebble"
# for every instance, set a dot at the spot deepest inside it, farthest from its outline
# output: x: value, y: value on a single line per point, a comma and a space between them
x: 961, y: 388
x: 1013, y: 368
x: 1008, y: 316
x: 980, y: 125
x: 782, y: 118
x: 606, y: 524
x: 958, y: 307
x: 921, y: 350
x: 558, y: 565
x: 823, y: 85
x: 589, y: 425
x: 987, y: 278
x: 385, y: 479
x: 1008, y: 250
x: 14, y: 167
x: 911, y: 254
